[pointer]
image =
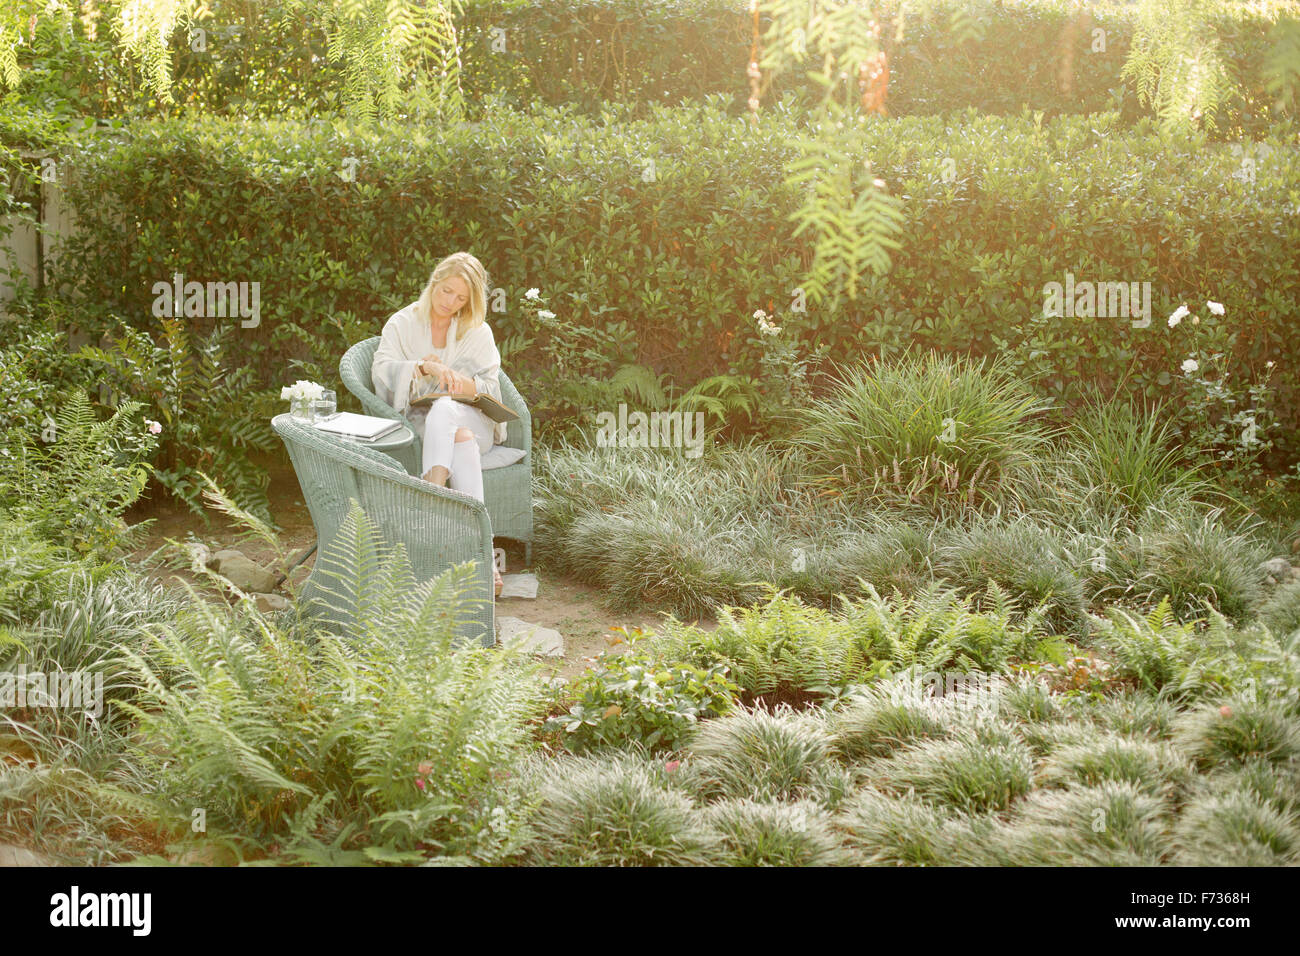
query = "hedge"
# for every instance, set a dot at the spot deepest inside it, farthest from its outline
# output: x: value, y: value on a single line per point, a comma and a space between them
x: 674, y: 268
x: 999, y: 57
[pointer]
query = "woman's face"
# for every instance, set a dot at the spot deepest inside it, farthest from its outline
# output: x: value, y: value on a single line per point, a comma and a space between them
x: 448, y: 296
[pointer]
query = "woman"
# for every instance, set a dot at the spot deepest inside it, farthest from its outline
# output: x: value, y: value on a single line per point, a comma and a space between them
x: 444, y: 338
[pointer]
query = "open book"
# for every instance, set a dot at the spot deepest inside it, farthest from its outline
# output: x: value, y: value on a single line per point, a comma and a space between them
x: 486, y: 404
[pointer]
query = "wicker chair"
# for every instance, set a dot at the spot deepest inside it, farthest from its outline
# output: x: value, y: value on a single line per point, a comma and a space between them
x: 438, y: 526
x: 507, y: 491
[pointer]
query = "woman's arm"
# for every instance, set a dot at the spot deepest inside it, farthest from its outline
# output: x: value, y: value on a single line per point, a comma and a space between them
x: 392, y: 370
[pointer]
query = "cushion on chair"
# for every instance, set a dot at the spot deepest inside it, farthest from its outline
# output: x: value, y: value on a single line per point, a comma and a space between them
x: 498, y: 456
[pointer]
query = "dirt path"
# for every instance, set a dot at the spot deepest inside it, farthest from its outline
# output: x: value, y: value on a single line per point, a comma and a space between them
x: 571, y: 607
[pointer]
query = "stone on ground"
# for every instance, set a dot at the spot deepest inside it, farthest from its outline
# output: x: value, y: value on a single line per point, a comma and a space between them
x: 532, y: 637
x: 519, y: 586
x: 21, y: 856
x: 243, y: 572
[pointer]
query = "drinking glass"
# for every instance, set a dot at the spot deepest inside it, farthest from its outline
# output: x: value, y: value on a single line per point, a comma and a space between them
x: 325, y: 407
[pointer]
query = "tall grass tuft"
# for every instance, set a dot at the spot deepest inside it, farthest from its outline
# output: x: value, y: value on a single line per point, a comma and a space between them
x: 936, y: 433
x: 613, y: 811
x: 1236, y: 829
x: 964, y: 773
x: 1219, y: 734
x: 767, y: 756
x: 754, y: 833
x: 1118, y: 460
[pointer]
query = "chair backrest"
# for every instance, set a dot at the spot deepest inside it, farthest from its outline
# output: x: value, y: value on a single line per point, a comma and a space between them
x: 354, y: 369
x: 437, y: 526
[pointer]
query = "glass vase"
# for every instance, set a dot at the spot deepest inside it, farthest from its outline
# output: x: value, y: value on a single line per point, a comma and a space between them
x: 301, y: 408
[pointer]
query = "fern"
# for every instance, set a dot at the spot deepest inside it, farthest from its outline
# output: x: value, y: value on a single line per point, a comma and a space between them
x: 287, y: 732
x: 850, y: 214
x: 1174, y: 60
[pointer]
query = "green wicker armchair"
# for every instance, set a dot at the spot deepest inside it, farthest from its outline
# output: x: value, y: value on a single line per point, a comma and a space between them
x: 438, y: 526
x: 507, y: 491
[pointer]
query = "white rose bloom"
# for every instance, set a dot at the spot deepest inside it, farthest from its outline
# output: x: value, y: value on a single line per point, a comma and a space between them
x: 531, y: 294
x: 1215, y: 307
x: 1179, y: 314
x: 546, y: 313
x: 1190, y: 365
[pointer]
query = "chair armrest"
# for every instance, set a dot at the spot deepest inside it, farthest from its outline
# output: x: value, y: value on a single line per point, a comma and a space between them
x: 354, y: 370
x: 518, y: 434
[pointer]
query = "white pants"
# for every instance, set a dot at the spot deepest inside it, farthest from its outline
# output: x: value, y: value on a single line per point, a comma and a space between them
x: 464, y: 459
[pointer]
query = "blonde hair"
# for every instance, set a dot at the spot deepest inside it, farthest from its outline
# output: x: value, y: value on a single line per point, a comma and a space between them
x: 474, y: 312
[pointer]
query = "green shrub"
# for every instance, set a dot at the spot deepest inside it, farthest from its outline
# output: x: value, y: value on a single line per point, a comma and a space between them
x: 612, y: 811
x: 88, y: 472
x: 627, y: 698
x: 978, y: 250
x: 782, y: 650
x: 1157, y: 651
x: 938, y: 631
x: 774, y: 834
x: 210, y: 412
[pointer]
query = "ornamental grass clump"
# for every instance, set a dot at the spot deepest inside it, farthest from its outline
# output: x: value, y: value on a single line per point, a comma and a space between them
x: 1153, y: 768
x: 1109, y: 823
x: 965, y: 773
x: 1217, y: 734
x: 763, y: 833
x: 767, y: 756
x: 899, y: 830
x: 942, y: 435
x: 613, y: 811
x: 1240, y: 828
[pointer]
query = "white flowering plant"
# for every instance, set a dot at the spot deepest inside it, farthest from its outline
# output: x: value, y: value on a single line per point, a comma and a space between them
x: 784, y: 367
x: 1225, y: 422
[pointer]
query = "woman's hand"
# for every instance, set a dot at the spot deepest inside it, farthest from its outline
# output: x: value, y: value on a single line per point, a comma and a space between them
x: 449, y: 380
x: 464, y: 386
x: 430, y: 367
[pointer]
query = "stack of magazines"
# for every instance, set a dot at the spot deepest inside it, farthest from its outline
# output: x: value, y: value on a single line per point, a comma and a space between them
x: 367, y: 428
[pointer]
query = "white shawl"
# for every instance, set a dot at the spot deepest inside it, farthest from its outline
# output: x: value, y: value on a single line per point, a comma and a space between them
x: 406, y: 340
